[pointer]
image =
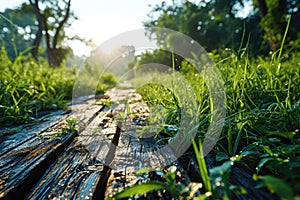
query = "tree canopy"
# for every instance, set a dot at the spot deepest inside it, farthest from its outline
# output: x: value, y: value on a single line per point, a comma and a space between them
x: 17, y: 29
x: 216, y: 24
x: 38, y: 26
x: 274, y: 15
x: 39, y: 23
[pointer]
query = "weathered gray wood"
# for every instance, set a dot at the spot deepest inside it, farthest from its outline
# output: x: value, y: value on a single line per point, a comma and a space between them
x: 27, y: 154
x: 81, y: 172
x: 25, y: 133
x: 76, y: 173
x: 135, y: 151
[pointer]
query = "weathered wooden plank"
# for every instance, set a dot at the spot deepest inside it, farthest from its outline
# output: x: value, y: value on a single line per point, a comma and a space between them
x: 42, y: 121
x: 27, y: 154
x: 81, y: 172
x: 26, y: 166
x: 72, y: 176
x: 25, y: 133
x: 135, y: 151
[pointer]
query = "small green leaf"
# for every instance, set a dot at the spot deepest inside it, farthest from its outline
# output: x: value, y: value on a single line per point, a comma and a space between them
x: 277, y: 186
x: 219, y: 170
x: 139, y: 189
x: 262, y: 163
x: 144, y: 170
x: 71, y: 121
x: 255, y: 177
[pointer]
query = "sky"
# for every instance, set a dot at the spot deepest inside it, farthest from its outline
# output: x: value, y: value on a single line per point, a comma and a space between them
x: 100, y: 20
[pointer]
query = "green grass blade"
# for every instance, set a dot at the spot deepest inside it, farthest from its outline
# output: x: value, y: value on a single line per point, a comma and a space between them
x: 202, y: 165
x: 139, y: 189
x: 237, y: 140
x: 283, y: 40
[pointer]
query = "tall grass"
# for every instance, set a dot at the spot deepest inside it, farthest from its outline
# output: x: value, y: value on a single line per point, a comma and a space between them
x: 28, y: 87
x: 263, y: 119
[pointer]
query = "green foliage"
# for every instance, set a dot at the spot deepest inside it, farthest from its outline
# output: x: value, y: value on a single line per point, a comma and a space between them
x: 204, y: 22
x: 263, y: 118
x: 23, y: 27
x: 214, y: 24
x: 202, y: 165
x: 13, y: 32
x: 217, y: 25
x: 277, y: 186
x: 28, y: 87
x: 169, y: 184
x: 274, y: 19
x: 93, y: 79
x: 70, y: 126
x: 139, y: 189
x: 106, y: 81
x: 214, y: 182
x: 164, y: 97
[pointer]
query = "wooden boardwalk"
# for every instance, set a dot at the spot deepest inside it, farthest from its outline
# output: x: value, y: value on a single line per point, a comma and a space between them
x: 47, y: 160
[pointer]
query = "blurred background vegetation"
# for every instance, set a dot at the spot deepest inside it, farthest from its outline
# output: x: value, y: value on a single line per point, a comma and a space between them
x: 215, y: 24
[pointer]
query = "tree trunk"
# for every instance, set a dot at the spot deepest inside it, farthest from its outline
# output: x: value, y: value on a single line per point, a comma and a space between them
x: 41, y: 25
x: 36, y: 44
x: 55, y: 54
x: 263, y: 8
x: 61, y: 24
